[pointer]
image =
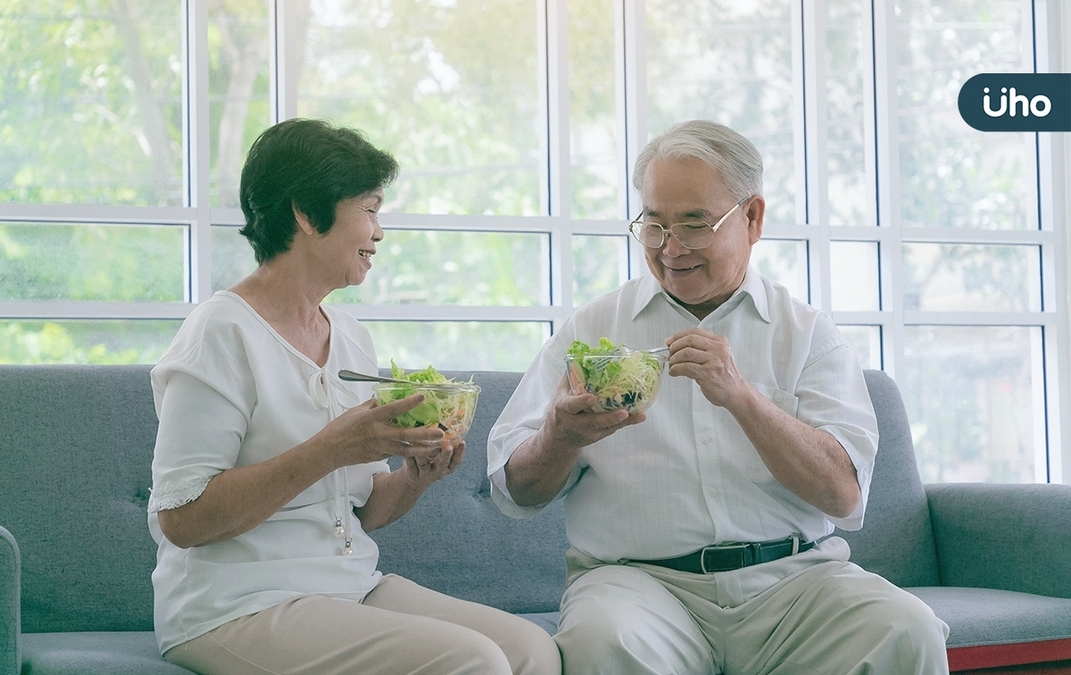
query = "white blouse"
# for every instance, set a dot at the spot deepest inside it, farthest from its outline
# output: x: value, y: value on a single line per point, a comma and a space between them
x: 230, y: 391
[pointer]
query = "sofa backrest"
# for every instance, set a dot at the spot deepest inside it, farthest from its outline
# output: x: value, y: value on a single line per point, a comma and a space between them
x: 465, y: 547
x: 75, y: 469
x: 896, y: 540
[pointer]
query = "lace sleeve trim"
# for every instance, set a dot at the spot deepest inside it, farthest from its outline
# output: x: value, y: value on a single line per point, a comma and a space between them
x: 171, y: 496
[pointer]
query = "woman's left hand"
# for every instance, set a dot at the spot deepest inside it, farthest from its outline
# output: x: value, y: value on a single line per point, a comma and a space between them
x: 425, y: 470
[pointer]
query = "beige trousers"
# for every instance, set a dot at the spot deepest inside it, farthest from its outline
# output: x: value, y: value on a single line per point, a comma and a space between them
x: 400, y: 628
x: 809, y: 614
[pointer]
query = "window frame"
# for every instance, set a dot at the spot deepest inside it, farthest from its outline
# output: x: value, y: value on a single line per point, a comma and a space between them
x: 1051, y: 25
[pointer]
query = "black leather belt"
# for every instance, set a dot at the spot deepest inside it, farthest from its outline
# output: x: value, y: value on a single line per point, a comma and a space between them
x: 728, y: 557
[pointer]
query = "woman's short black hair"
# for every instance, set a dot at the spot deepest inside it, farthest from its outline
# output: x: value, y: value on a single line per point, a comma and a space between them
x: 308, y: 165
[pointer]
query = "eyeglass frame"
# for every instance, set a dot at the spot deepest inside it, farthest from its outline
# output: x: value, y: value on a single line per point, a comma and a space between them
x: 668, y: 231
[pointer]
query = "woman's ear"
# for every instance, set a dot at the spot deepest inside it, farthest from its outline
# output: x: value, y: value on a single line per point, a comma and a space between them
x: 302, y: 220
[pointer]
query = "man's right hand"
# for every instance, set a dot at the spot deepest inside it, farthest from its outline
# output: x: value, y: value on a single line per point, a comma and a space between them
x: 539, y: 467
x: 574, y: 422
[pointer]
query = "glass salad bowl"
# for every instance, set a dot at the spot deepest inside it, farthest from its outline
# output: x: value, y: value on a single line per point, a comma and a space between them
x: 621, y: 378
x: 447, y: 405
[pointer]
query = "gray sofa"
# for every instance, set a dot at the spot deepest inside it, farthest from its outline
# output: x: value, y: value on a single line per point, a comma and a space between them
x: 75, y: 595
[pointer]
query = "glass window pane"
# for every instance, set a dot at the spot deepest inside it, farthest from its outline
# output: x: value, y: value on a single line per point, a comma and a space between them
x: 966, y: 277
x: 91, y: 102
x: 866, y: 341
x: 85, y: 341
x: 450, y: 88
x: 846, y: 160
x: 784, y: 261
x: 459, y: 268
x: 973, y: 398
x: 92, y: 262
x: 237, y: 89
x: 595, y: 173
x: 600, y: 264
x: 950, y: 174
x: 854, y: 276
x: 458, y: 345
x: 730, y: 63
x: 232, y: 257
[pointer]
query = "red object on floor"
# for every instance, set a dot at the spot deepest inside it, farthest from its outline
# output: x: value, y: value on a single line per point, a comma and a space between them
x: 1046, y: 657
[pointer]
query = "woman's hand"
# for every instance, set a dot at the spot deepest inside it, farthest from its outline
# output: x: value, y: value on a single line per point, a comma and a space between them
x: 394, y: 493
x: 423, y: 471
x: 365, y: 434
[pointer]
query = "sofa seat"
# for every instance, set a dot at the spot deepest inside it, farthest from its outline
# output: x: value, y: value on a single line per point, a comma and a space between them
x: 993, y: 628
x: 77, y: 653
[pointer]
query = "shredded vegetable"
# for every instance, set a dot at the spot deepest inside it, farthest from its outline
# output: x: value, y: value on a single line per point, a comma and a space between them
x: 448, y: 404
x: 619, y: 376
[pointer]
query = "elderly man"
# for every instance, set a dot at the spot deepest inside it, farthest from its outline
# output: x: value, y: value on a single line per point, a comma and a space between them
x: 700, y: 529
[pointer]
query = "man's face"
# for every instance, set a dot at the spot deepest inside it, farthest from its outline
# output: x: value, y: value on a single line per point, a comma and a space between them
x: 681, y: 190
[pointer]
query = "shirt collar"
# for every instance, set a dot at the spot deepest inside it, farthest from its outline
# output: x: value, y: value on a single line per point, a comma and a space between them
x: 751, y: 287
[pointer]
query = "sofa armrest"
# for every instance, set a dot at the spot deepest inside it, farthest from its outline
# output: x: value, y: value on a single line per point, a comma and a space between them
x: 1010, y: 537
x: 10, y: 597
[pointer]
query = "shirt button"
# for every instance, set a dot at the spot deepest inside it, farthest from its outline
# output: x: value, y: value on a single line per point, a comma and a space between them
x: 778, y: 397
x: 712, y: 492
x: 705, y: 440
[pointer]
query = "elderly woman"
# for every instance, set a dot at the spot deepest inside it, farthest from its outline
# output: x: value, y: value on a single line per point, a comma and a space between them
x: 269, y: 471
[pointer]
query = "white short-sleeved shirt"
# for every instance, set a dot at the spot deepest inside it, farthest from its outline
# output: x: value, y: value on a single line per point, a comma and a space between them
x: 688, y: 477
x: 230, y: 391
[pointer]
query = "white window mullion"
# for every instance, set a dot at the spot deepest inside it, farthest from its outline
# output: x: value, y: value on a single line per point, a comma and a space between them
x: 812, y: 154
x: 1054, y: 155
x: 631, y: 39
x: 196, y: 138
x: 556, y: 180
x: 284, y: 47
x: 887, y: 187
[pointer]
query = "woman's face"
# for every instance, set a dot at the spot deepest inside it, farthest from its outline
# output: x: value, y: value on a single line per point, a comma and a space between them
x: 351, y: 241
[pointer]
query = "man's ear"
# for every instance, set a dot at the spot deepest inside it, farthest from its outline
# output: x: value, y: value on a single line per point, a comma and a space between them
x: 756, y: 210
x: 302, y: 220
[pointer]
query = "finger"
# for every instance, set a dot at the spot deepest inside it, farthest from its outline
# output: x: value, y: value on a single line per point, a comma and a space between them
x: 457, y: 455
x: 606, y: 420
x: 386, y: 411
x: 580, y: 403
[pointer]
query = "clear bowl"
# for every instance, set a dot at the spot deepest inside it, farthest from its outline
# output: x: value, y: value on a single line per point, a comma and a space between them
x: 448, y: 405
x: 627, y: 379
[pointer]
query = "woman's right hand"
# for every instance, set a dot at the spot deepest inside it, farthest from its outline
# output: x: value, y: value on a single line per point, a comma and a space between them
x: 365, y: 433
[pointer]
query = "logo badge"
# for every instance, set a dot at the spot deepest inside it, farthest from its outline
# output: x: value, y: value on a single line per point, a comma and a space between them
x: 1017, y: 102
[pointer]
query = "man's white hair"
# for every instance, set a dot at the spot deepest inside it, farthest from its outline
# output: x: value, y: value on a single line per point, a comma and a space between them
x: 735, y: 157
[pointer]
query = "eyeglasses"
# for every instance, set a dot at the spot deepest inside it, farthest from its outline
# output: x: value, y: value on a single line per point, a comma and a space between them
x: 692, y: 235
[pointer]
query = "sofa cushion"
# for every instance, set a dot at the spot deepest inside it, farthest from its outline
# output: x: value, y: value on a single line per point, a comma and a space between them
x: 991, y: 628
x: 78, y: 442
x: 896, y: 540
x: 515, y: 565
x: 118, y: 653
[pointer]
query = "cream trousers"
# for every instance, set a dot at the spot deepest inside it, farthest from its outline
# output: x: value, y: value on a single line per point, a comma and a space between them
x: 400, y: 628
x: 809, y: 614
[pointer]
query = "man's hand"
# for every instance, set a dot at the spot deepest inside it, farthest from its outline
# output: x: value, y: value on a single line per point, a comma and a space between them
x: 538, y: 469
x: 574, y: 422
x: 707, y: 358
x: 809, y: 462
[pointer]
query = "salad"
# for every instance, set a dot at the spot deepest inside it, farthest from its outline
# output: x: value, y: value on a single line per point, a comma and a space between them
x: 619, y: 376
x: 448, y: 404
